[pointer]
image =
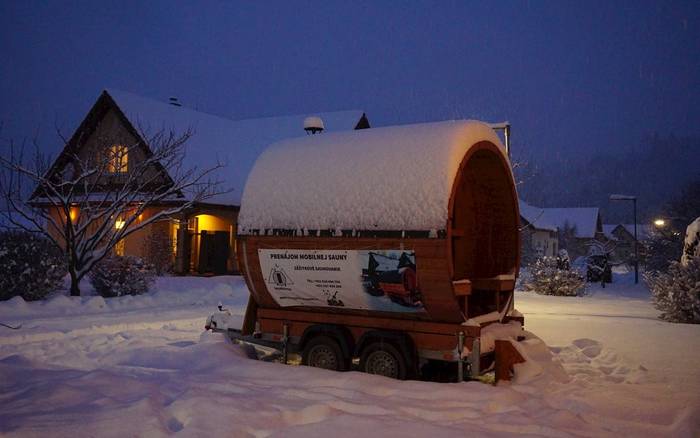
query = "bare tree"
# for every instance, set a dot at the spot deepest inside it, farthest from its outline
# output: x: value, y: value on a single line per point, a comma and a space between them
x: 93, y: 197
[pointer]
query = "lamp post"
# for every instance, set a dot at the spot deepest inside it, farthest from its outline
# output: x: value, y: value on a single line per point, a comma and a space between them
x: 634, y: 208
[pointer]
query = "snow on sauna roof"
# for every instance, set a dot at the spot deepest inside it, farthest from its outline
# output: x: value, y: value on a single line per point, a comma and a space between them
x: 392, y: 178
x: 234, y: 143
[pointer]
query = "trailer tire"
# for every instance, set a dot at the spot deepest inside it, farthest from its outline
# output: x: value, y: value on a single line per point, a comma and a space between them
x: 384, y: 359
x: 323, y: 352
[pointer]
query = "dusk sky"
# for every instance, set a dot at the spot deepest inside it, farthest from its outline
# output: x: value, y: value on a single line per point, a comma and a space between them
x: 569, y: 76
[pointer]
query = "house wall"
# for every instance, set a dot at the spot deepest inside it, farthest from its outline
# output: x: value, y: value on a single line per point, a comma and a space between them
x: 136, y: 244
x: 110, y: 131
x: 545, y: 242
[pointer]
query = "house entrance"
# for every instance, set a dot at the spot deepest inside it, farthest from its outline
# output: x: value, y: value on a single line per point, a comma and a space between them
x: 213, y: 252
x: 208, y: 245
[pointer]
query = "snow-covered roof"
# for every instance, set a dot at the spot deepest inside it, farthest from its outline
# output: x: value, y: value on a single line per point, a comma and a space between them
x: 643, y: 230
x: 535, y: 216
x: 584, y: 219
x: 391, y: 178
x: 235, y: 143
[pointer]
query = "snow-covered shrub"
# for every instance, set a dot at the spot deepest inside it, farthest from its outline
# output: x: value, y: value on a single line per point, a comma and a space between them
x: 115, y: 276
x: 31, y: 266
x: 676, y: 292
x: 552, y: 276
x: 691, y: 244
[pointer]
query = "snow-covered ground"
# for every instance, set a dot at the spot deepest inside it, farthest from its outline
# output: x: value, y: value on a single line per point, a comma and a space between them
x: 142, y: 366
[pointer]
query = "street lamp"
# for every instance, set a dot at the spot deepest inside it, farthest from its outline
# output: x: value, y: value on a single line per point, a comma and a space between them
x: 634, y: 208
x: 659, y: 223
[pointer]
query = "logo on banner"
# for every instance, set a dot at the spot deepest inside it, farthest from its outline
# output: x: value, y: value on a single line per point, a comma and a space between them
x: 279, y: 277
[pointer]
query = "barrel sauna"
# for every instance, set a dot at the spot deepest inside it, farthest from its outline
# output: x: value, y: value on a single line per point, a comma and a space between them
x: 404, y: 236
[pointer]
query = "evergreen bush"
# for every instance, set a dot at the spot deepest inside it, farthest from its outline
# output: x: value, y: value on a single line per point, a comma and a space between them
x: 31, y: 266
x: 676, y: 292
x: 553, y: 276
x: 159, y: 253
x: 115, y: 276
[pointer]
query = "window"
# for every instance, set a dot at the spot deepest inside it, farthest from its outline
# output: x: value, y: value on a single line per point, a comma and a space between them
x: 120, y: 246
x: 118, y: 159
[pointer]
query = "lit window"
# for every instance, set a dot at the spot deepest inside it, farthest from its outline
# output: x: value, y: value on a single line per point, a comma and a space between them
x: 118, y: 159
x: 119, y: 248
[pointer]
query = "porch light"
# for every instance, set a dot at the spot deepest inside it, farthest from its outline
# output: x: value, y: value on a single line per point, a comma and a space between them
x: 119, y: 224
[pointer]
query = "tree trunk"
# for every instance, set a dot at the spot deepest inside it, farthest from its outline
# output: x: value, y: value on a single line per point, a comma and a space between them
x: 74, y: 283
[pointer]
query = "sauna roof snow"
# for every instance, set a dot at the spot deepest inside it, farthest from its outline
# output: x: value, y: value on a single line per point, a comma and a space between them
x: 234, y: 143
x: 394, y: 178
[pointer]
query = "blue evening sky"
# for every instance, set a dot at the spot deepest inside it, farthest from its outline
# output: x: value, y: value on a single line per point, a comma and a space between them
x: 572, y: 77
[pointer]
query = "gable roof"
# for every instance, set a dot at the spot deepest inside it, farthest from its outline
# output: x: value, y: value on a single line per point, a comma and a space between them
x: 585, y: 219
x: 534, y: 216
x: 234, y: 143
x: 215, y: 139
x: 643, y: 230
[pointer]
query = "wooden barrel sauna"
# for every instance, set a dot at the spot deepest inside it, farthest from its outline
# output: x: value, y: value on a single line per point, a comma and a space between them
x: 416, y: 222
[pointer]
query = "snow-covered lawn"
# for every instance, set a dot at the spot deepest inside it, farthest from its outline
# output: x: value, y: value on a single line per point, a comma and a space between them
x: 142, y: 366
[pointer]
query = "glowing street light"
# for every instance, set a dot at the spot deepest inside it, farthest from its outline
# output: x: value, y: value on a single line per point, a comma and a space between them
x: 660, y: 223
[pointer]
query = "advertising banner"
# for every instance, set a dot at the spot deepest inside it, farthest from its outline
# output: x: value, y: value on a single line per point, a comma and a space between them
x: 383, y: 280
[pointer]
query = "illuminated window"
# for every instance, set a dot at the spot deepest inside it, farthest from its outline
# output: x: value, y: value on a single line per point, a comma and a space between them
x: 118, y: 159
x: 176, y: 228
x: 119, y: 248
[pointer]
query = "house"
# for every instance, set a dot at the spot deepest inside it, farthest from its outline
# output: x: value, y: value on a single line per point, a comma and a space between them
x: 202, y: 239
x: 539, y: 238
x: 576, y: 227
x: 622, y: 236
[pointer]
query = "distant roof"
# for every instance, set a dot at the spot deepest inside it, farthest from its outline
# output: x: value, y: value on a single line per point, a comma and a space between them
x: 234, y: 143
x: 535, y: 216
x: 643, y: 230
x: 389, y: 178
x: 584, y: 219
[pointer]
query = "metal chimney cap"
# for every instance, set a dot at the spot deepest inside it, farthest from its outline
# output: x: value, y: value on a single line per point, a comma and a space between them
x: 313, y: 124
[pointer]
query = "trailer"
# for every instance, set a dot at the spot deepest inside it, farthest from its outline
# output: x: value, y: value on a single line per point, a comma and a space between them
x: 395, y: 250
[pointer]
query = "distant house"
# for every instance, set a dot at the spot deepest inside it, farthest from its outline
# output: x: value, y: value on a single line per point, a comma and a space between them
x: 539, y: 238
x: 576, y: 227
x: 203, y: 238
x: 622, y: 235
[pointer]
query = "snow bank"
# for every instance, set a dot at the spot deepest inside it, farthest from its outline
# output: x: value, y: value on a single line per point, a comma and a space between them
x: 145, y: 368
x: 168, y: 292
x: 393, y: 178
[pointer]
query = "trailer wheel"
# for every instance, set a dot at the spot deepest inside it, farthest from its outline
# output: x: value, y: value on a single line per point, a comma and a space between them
x: 323, y: 352
x: 383, y: 359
